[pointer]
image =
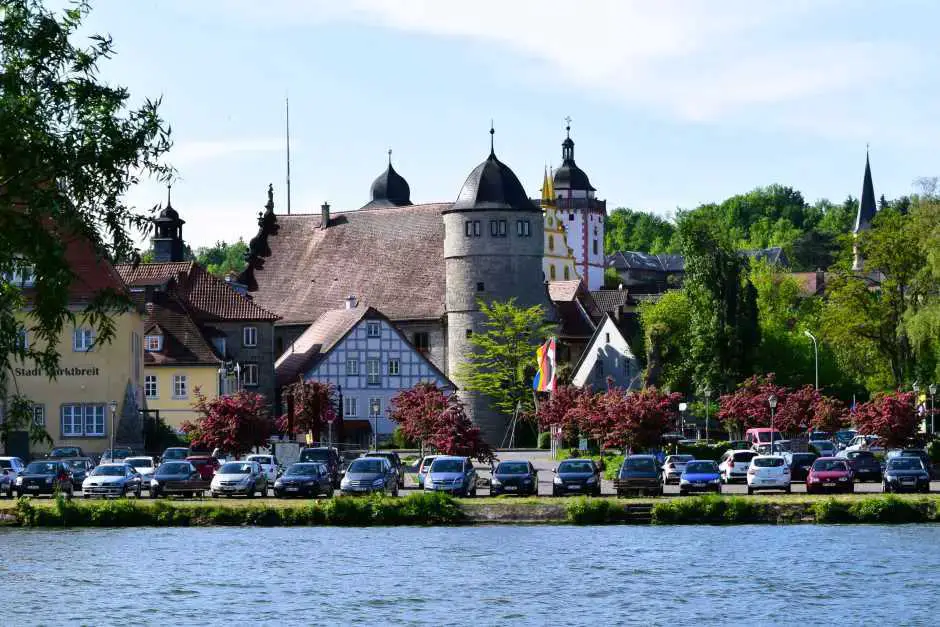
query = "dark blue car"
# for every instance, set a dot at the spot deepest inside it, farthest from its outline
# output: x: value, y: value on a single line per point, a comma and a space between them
x: 700, y: 476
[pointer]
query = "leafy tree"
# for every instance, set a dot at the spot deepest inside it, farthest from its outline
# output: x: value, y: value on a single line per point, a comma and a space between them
x: 235, y: 423
x: 641, y: 418
x: 502, y: 361
x: 889, y: 416
x: 314, y: 406
x: 837, y: 219
x: 666, y: 329
x: 455, y: 433
x: 426, y: 414
x: 223, y: 258
x: 555, y: 410
x: 70, y: 148
x: 797, y: 409
x: 626, y: 229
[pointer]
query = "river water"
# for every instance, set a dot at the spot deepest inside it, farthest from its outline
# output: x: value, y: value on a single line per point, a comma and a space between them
x: 500, y: 575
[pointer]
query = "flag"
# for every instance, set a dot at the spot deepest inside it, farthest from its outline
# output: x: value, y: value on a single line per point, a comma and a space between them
x: 545, y: 359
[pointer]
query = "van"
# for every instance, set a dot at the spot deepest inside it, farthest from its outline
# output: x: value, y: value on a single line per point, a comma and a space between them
x: 761, y: 436
x: 327, y: 456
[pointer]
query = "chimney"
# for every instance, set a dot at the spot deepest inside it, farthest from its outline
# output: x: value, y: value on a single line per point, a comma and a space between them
x: 350, y: 302
x: 324, y: 215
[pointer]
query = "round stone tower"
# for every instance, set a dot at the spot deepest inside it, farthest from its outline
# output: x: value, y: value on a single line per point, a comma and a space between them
x: 493, y: 247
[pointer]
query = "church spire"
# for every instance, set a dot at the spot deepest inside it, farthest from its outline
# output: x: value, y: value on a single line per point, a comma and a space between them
x: 866, y: 205
x: 548, y: 189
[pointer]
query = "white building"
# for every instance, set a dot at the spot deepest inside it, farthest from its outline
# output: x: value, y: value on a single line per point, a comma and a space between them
x: 608, y: 355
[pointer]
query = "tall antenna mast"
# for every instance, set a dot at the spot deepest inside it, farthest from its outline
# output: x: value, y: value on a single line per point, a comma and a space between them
x: 287, y: 109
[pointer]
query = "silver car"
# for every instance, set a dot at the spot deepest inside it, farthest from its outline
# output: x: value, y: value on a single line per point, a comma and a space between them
x: 244, y: 477
x: 145, y: 467
x: 370, y: 474
x: 10, y: 467
x: 116, y: 479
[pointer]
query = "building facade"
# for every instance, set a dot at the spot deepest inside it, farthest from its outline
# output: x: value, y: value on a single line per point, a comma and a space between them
x: 608, y: 357
x: 559, y: 262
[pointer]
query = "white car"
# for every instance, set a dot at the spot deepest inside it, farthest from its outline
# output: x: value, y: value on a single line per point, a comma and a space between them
x: 768, y: 472
x: 10, y: 467
x: 733, y: 464
x: 145, y: 467
x: 268, y: 465
x: 870, y: 443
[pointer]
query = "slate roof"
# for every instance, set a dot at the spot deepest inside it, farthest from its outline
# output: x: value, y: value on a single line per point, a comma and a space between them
x: 611, y: 300
x: 389, y: 189
x: 391, y: 258
x: 208, y: 297
x: 492, y: 185
x: 628, y: 260
x: 773, y: 255
x: 866, y: 206
x: 183, y: 341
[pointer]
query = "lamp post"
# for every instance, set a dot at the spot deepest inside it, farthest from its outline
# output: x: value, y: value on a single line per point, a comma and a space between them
x: 932, y: 388
x: 916, y: 388
x: 113, y: 406
x: 772, y: 401
x: 815, y: 354
x: 708, y: 394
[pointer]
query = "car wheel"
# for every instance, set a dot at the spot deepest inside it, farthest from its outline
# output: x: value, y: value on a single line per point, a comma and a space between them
x: 683, y: 492
x: 885, y: 488
x: 851, y: 488
x: 124, y: 491
x: 138, y: 491
x: 750, y: 490
x: 788, y: 490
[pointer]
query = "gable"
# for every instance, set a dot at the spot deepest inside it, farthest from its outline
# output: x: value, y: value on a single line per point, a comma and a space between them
x: 609, y: 347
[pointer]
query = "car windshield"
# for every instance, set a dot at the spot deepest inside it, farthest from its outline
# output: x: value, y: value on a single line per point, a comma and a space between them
x: 427, y: 461
x: 304, y: 470
x: 235, y: 468
x: 826, y: 444
x: 859, y: 455
x: 42, y: 468
x: 512, y: 468
x: 198, y: 462
x: 108, y: 471
x: 174, y: 469
x: 175, y: 453
x: 261, y: 460
x: 366, y: 465
x: 824, y: 465
x: 140, y: 462
x: 744, y: 457
x: 77, y: 464
x: 315, y: 455
x: 447, y: 465
x: 6, y: 463
x: 913, y: 453
x: 679, y: 459
x: 701, y: 467
x: 66, y: 451
x: 905, y: 463
x: 767, y: 462
x: 578, y: 466
x: 640, y: 463
x: 845, y: 436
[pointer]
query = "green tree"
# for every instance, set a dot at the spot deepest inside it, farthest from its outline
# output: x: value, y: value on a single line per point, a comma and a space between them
x: 626, y: 229
x: 223, y: 257
x: 70, y: 148
x: 501, y: 363
x: 666, y: 333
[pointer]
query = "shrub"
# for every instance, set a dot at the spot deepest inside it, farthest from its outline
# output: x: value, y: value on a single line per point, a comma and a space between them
x: 545, y: 440
x: 705, y: 451
x: 612, y: 466
x: 933, y: 450
x: 887, y: 509
x: 587, y: 511
x: 709, y: 509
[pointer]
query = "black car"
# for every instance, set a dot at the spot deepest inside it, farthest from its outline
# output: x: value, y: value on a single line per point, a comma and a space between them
x: 304, y: 479
x: 922, y: 455
x: 61, y: 452
x: 45, y: 477
x: 518, y: 477
x: 327, y: 456
x: 576, y: 476
x: 80, y: 467
x: 394, y: 460
x: 865, y: 464
x: 640, y: 474
x: 800, y: 463
x: 904, y: 473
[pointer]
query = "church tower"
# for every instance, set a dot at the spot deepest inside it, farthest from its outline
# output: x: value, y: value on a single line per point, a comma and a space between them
x: 168, y: 240
x: 582, y: 214
x: 493, y: 250
x: 866, y: 214
x: 559, y: 263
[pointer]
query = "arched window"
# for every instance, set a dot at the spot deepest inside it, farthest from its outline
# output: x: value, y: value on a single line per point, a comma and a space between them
x: 567, y: 274
x: 551, y: 242
x: 549, y: 220
x: 551, y: 273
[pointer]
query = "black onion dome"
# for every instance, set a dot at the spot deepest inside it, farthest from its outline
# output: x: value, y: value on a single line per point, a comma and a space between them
x: 169, y: 212
x: 569, y: 175
x: 391, y: 188
x: 492, y: 185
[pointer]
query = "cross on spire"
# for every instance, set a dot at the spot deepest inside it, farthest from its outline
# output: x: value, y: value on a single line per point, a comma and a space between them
x: 390, y: 156
x: 169, y: 187
x: 568, y: 125
x: 492, y: 133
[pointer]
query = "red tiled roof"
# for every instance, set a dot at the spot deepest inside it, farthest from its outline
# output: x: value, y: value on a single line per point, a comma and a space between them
x: 93, y: 274
x: 183, y: 342
x: 390, y: 258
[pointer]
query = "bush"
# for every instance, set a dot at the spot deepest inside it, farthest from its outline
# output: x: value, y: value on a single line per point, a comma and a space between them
x: 588, y: 511
x: 708, y: 509
x: 877, y: 509
x: 545, y: 440
x: 399, y: 440
x: 705, y: 451
x: 933, y: 450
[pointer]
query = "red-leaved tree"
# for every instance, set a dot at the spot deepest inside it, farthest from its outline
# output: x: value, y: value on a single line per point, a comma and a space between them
x: 890, y: 416
x: 314, y: 406
x: 747, y: 406
x: 638, y: 420
x: 829, y: 414
x: 455, y: 434
x: 235, y: 423
x: 556, y: 410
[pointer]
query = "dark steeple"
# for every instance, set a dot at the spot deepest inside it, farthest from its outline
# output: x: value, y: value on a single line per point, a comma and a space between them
x: 569, y: 175
x: 866, y: 206
x: 390, y: 189
x: 168, y: 240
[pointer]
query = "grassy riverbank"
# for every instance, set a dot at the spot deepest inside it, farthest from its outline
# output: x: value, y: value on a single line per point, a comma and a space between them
x: 422, y: 509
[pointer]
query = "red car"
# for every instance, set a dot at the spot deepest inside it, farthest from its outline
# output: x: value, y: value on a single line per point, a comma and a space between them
x: 206, y: 465
x: 830, y: 474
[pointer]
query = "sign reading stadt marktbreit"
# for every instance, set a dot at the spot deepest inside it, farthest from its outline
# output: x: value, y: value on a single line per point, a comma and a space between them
x: 60, y: 372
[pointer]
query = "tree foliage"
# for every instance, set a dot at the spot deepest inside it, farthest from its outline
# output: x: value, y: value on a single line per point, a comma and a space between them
x: 235, y: 423
x: 314, y: 405
x: 223, y: 258
x: 666, y: 324
x: 797, y: 409
x: 625, y: 229
x: 889, y: 416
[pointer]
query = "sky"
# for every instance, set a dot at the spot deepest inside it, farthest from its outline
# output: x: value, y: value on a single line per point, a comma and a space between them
x: 672, y: 103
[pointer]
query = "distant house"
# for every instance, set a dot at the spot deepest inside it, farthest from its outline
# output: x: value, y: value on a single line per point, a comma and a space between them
x: 608, y: 355
x: 368, y: 359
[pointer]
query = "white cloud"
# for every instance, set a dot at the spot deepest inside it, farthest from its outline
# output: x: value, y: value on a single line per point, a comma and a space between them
x: 189, y: 152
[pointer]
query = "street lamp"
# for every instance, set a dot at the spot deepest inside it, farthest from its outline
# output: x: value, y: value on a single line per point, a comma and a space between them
x: 815, y: 354
x: 113, y: 406
x: 932, y: 388
x: 772, y: 401
x: 708, y: 393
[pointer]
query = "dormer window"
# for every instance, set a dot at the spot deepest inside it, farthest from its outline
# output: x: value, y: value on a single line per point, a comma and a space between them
x: 22, y: 274
x: 153, y: 343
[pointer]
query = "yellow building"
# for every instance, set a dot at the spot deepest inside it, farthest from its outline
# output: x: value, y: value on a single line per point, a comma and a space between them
x: 558, y: 262
x: 75, y: 408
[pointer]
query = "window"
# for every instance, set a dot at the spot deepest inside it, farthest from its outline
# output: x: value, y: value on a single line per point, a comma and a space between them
x: 180, y: 386
x: 352, y: 366
x: 22, y: 275
x: 372, y: 372
x: 349, y: 407
x: 394, y: 367
x: 471, y: 228
x: 422, y: 342
x: 523, y: 228
x: 595, y: 247
x: 375, y: 407
x: 469, y: 333
x: 22, y: 340
x: 250, y: 374
x: 480, y: 286
x: 494, y: 229
x: 567, y: 274
x: 373, y: 329
x: 502, y: 228
x: 153, y: 343
x: 551, y: 242
x: 551, y: 272
x: 626, y: 367
x: 39, y: 415
x: 607, y: 338
x: 220, y: 345
x: 150, y: 386
x: 250, y: 336
x: 83, y: 340
x: 82, y: 420
x: 570, y: 217
x: 477, y: 229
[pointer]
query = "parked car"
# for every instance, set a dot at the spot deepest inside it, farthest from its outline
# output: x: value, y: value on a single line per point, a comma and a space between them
x: 370, y: 474
x: 66, y: 451
x: 768, y: 472
x: 304, y: 479
x: 639, y: 474
x: 327, y: 456
x: 780, y: 446
x: 864, y: 464
x: 268, y: 464
x: 177, y: 477
x: 45, y: 477
x: 700, y: 476
x: 842, y: 438
x: 866, y: 443
x: 394, y: 460
x: 81, y: 467
x: 920, y: 454
x: 739, y: 445
x: 118, y: 479
x: 906, y: 473
x: 175, y: 453
x: 205, y: 465
x: 515, y: 477
x: 116, y: 455
x: 759, y: 436
x: 824, y: 447
x: 830, y: 474
x: 423, y: 467
x: 244, y: 477
x: 145, y: 467
x: 673, y: 467
x: 799, y: 464
x: 734, y: 464
x: 10, y: 467
x: 455, y: 475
